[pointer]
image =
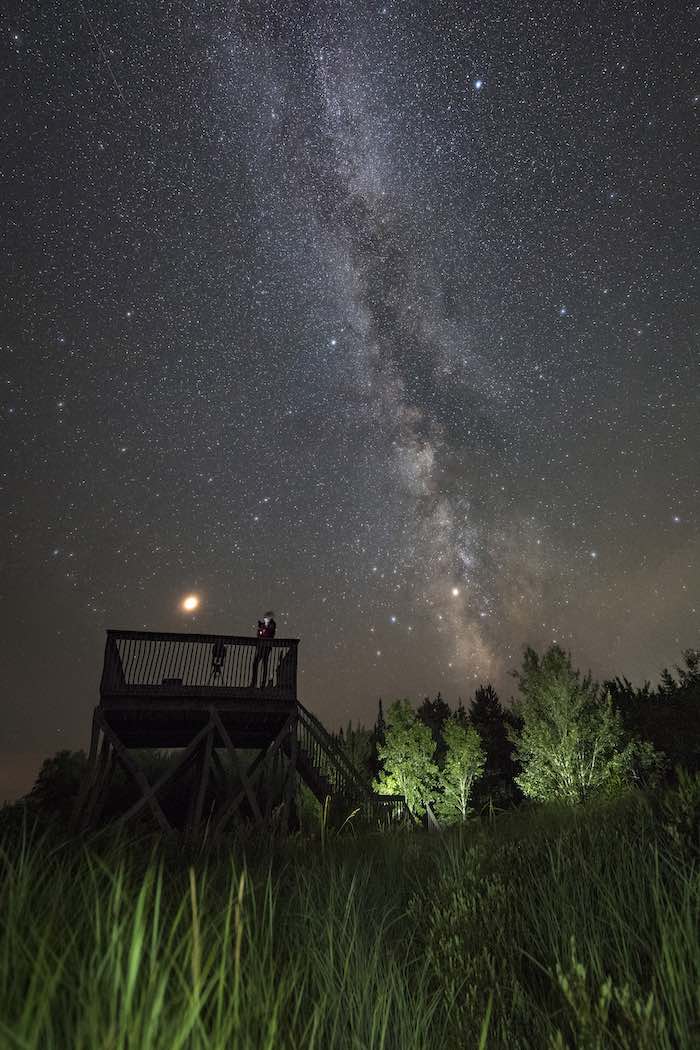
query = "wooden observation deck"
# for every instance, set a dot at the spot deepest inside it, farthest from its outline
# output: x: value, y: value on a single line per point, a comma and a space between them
x: 200, y: 693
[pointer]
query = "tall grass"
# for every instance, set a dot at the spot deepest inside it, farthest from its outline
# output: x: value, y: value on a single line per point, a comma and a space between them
x: 550, y: 930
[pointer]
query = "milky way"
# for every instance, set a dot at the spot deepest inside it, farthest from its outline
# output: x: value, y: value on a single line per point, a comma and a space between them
x: 382, y: 315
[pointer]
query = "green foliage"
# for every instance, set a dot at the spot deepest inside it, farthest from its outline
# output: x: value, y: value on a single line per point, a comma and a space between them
x: 668, y: 717
x: 687, y: 686
x: 497, y: 787
x: 407, y: 756
x: 577, y: 921
x: 463, y: 764
x: 560, y: 928
x: 358, y: 744
x: 137, y: 946
x: 572, y: 742
x: 680, y: 814
x: 434, y: 714
x: 599, y: 1013
x: 57, y: 784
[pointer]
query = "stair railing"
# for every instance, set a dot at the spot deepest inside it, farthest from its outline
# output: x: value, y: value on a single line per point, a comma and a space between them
x: 335, y: 767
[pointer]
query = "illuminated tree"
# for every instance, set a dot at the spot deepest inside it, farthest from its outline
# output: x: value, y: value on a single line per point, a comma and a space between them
x: 407, y: 758
x: 571, y: 744
x: 464, y: 763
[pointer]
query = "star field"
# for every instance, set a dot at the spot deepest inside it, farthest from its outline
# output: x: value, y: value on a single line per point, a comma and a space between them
x: 380, y: 315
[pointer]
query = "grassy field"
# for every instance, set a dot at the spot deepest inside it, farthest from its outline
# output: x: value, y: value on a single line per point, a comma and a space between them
x: 545, y: 929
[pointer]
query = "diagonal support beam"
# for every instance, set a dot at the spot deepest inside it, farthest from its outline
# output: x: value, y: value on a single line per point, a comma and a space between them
x: 131, y: 767
x: 181, y: 762
x: 235, y: 802
x: 250, y: 794
x: 219, y: 773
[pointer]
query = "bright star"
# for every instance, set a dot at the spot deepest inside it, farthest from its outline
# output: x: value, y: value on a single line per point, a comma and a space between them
x: 190, y: 603
x: 455, y: 592
x: 478, y: 84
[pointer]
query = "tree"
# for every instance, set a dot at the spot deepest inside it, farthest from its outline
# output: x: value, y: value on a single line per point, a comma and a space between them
x: 376, y: 739
x: 687, y: 687
x: 494, y: 725
x: 464, y: 763
x: 407, y: 758
x: 380, y: 724
x: 571, y: 744
x: 668, y: 716
x: 58, y: 782
x: 357, y: 743
x: 433, y: 713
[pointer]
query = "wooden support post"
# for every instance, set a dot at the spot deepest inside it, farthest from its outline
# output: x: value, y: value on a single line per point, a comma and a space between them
x: 290, y: 787
x: 101, y: 794
x: 98, y: 786
x: 266, y: 786
x: 205, y: 762
x: 131, y: 767
x: 88, y: 778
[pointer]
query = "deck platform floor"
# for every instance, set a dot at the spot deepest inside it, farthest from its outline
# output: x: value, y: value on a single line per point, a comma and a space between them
x: 175, y: 721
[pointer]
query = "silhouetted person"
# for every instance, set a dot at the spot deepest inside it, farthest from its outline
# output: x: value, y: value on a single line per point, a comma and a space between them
x: 266, y: 632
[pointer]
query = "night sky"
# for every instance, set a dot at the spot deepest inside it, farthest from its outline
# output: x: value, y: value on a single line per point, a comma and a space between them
x: 379, y: 315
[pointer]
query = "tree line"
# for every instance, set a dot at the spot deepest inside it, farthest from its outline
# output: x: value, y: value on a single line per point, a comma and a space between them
x: 564, y: 738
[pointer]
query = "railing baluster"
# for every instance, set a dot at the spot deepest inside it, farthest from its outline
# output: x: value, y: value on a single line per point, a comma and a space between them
x: 189, y: 652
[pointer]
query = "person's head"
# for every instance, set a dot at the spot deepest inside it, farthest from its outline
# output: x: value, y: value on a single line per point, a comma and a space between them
x: 267, y: 617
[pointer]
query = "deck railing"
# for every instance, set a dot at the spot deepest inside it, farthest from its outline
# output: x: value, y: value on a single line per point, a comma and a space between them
x: 152, y: 664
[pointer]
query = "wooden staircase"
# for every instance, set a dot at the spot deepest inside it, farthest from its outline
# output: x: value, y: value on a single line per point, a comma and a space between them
x: 330, y: 775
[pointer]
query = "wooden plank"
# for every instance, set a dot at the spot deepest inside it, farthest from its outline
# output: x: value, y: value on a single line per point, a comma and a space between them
x: 130, y: 765
x: 233, y: 698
